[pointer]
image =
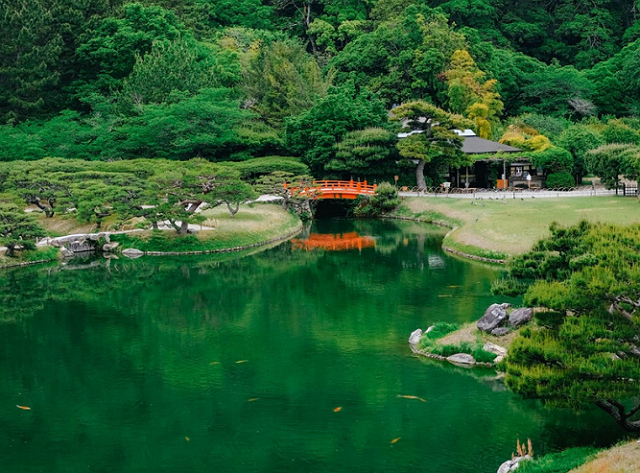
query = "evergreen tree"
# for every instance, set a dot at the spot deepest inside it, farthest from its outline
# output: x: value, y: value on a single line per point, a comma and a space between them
x: 584, y: 350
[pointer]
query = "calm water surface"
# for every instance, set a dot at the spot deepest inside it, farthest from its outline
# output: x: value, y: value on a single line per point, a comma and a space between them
x: 288, y: 360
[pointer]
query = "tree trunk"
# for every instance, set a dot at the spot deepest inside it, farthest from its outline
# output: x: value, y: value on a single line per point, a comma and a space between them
x: 175, y: 227
x: 233, y: 210
x: 422, y: 185
x: 617, y: 411
x: 184, y: 227
x: 47, y: 209
x: 11, y: 248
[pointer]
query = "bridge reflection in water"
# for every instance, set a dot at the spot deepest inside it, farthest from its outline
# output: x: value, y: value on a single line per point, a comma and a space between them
x: 329, y: 242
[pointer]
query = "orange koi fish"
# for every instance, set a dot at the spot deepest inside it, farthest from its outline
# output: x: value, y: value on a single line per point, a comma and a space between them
x: 395, y: 440
x: 24, y: 408
x: 412, y: 397
x: 337, y: 409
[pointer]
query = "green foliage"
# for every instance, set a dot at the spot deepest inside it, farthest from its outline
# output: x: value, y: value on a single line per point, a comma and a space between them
x: 553, y: 160
x: 401, y: 59
x: 365, y: 153
x: 619, y: 132
x: 585, y: 351
x: 204, y: 125
x: 249, y: 14
x: 472, y: 349
x: 280, y: 79
x: 510, y: 287
x: 178, y: 66
x: 578, y: 140
x: 383, y: 201
x: 252, y: 169
x: 433, y: 140
x: 471, y: 94
x: 314, y: 134
x: 559, y: 91
x: 440, y: 329
x: 280, y: 183
x: 608, y: 162
x: 559, y: 180
x: 30, y: 47
x: 233, y: 192
x: 560, y: 462
x: 18, y: 229
x: 161, y: 241
x: 108, y: 79
x: 109, y: 56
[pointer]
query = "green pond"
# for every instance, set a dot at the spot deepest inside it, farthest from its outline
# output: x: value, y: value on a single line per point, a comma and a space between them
x: 291, y: 359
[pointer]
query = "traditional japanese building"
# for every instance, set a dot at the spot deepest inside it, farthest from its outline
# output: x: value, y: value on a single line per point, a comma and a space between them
x: 496, y: 166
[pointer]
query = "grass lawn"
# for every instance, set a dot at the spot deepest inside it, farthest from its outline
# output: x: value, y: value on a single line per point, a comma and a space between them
x: 254, y: 224
x: 502, y: 228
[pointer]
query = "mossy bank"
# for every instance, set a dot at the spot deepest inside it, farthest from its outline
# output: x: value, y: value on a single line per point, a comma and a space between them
x: 494, y: 230
x: 256, y: 225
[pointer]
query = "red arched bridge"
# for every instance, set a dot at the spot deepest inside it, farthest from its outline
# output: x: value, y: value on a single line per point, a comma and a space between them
x: 332, y: 189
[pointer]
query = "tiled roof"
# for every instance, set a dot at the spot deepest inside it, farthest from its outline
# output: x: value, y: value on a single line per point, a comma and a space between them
x: 477, y: 145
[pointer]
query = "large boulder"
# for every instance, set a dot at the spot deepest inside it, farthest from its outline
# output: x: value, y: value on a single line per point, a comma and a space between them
x: 520, y: 317
x: 493, y: 317
x: 461, y: 359
x: 415, y: 337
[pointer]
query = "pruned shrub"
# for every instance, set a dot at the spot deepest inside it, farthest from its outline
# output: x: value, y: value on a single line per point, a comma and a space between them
x: 558, y: 180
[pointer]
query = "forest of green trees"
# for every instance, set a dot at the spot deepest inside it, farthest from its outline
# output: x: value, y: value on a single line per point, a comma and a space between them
x: 316, y: 80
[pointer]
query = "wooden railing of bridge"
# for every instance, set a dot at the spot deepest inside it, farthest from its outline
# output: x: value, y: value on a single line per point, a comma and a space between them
x: 328, y: 189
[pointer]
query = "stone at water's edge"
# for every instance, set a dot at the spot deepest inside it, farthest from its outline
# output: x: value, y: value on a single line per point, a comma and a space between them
x: 520, y: 317
x: 108, y: 247
x: 461, y: 359
x: 415, y: 337
x: 511, y: 465
x: 66, y: 253
x: 132, y: 253
x: 493, y: 317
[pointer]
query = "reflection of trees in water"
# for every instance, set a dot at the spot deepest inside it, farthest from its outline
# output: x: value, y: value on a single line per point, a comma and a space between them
x: 160, y: 323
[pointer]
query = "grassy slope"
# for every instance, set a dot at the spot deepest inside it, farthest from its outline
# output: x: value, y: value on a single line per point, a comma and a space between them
x: 255, y: 223
x: 621, y: 459
x: 512, y: 226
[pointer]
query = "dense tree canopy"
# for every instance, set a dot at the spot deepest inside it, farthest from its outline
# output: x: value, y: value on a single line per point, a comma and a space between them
x: 238, y: 80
